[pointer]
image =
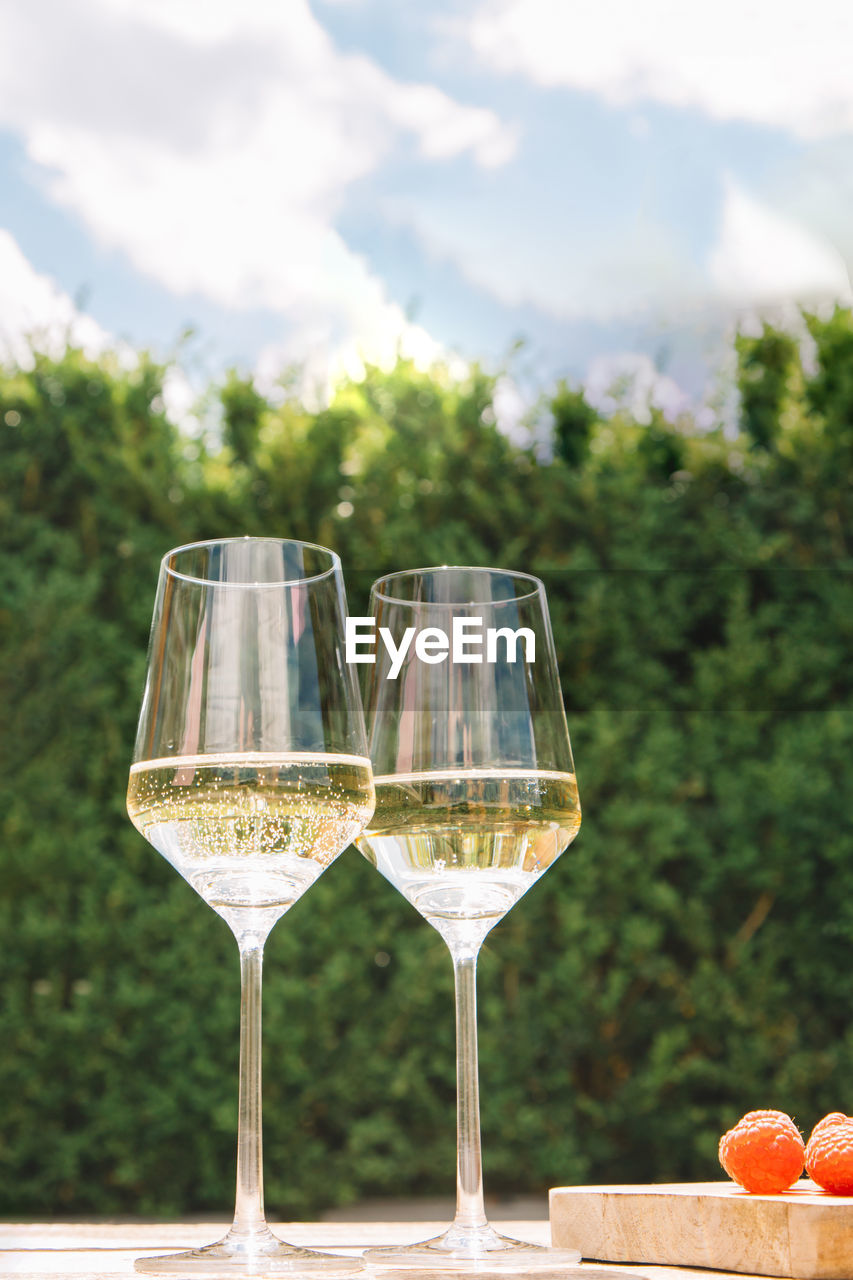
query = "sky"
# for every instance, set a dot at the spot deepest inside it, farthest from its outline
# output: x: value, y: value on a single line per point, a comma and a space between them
x: 580, y: 189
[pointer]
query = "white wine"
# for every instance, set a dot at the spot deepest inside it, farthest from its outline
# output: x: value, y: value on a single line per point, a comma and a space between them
x: 465, y: 845
x: 251, y: 829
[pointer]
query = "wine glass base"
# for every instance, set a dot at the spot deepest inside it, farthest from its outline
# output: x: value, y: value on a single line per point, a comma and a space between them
x: 249, y: 1257
x: 479, y: 1251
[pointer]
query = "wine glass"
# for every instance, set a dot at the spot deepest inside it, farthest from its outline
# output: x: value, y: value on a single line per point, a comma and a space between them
x: 475, y: 799
x: 250, y: 775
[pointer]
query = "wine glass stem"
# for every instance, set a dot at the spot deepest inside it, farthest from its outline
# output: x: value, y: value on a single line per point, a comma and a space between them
x: 249, y: 1209
x: 470, y: 1211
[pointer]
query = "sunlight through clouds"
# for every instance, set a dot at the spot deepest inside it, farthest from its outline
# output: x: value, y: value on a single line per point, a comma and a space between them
x: 239, y: 203
x: 332, y: 182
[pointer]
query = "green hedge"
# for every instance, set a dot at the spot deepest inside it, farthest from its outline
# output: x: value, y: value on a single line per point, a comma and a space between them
x: 686, y: 960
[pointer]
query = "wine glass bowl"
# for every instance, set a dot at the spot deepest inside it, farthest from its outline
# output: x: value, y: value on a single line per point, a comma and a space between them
x: 250, y: 775
x: 463, y: 845
x: 250, y: 831
x: 476, y: 798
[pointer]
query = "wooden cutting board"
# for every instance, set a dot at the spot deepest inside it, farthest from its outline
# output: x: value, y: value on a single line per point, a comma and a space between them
x: 803, y: 1233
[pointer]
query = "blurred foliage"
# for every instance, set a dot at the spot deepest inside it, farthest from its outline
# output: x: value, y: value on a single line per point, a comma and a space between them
x: 764, y: 364
x: 685, y: 961
x: 574, y: 422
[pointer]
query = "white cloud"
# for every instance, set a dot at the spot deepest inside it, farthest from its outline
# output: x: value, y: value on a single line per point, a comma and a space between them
x: 631, y: 381
x: 627, y: 265
x: 36, y: 314
x: 773, y: 62
x: 511, y: 408
x: 213, y: 145
x: 180, y: 400
x: 761, y: 256
x: 532, y: 256
x: 818, y: 191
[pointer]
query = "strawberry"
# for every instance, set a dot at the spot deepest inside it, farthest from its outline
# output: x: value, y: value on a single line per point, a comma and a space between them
x: 763, y: 1152
x: 829, y: 1154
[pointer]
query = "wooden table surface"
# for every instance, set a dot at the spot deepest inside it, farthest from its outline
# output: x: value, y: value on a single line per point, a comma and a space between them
x: 103, y: 1251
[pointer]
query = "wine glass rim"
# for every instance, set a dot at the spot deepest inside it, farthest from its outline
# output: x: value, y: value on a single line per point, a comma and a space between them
x: 278, y: 582
x: 535, y: 589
